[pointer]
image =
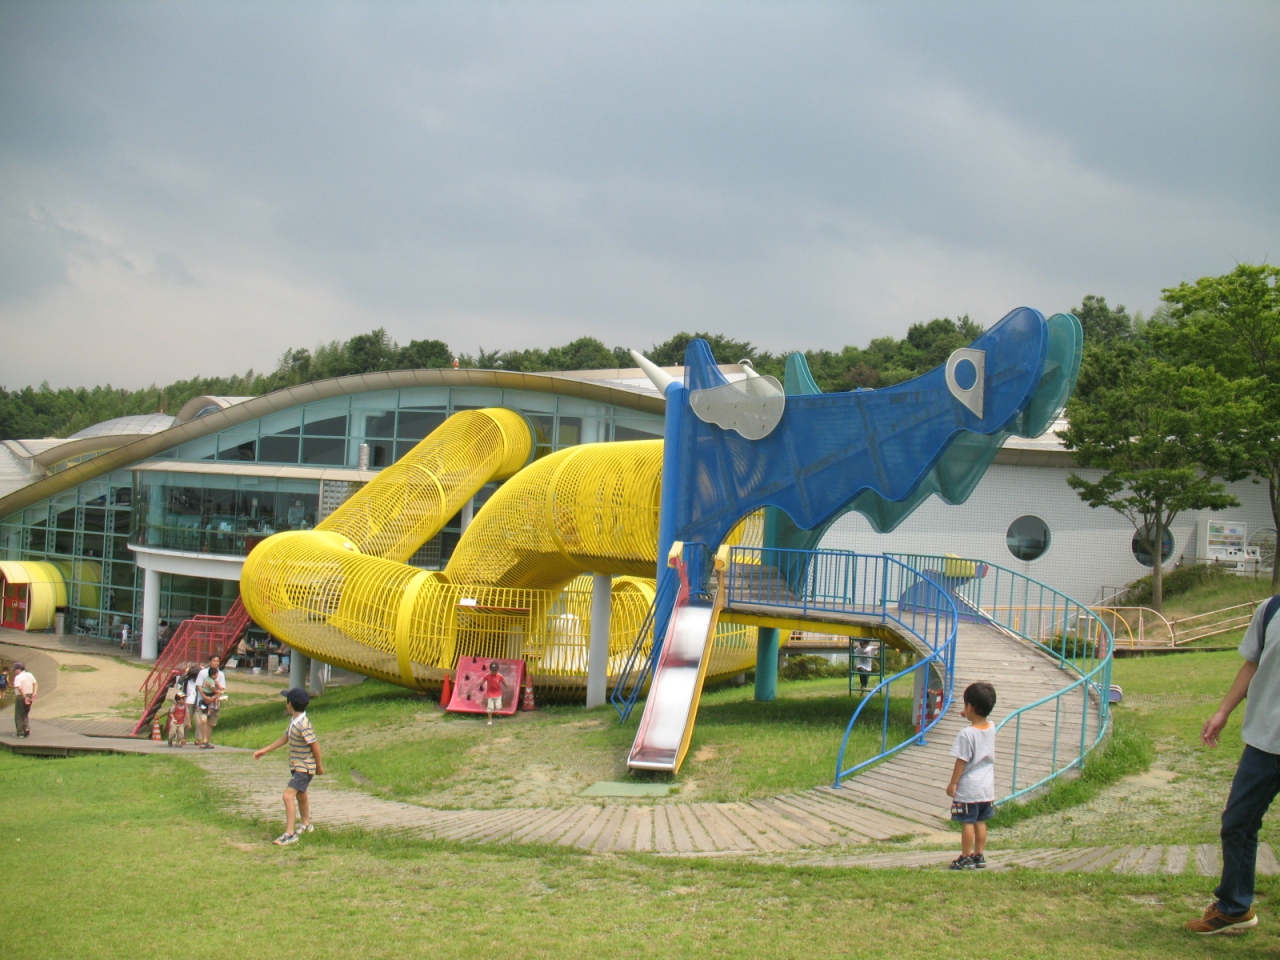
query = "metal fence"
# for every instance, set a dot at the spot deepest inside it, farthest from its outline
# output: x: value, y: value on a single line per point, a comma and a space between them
x: 1056, y: 732
x: 831, y: 584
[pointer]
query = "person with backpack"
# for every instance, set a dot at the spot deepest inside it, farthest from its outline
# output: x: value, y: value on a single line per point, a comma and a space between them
x: 1257, y: 779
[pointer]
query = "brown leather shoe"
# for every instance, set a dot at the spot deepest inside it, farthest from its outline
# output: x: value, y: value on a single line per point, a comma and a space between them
x: 1215, y: 921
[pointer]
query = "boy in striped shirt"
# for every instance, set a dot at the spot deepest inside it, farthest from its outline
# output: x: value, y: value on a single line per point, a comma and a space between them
x: 304, y: 763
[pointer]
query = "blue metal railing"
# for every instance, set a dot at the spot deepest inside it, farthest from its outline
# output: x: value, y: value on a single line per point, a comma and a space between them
x: 835, y: 584
x: 641, y: 662
x: 1065, y: 629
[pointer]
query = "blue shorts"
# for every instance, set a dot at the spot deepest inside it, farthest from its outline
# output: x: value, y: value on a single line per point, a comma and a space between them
x: 972, y: 812
x: 300, y: 781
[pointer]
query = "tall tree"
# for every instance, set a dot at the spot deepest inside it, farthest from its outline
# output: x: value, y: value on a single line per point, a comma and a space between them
x: 1157, y: 430
x: 1231, y: 324
x: 1103, y: 324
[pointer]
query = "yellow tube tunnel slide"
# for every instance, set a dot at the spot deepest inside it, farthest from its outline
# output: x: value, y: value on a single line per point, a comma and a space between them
x: 517, y: 584
x: 30, y: 593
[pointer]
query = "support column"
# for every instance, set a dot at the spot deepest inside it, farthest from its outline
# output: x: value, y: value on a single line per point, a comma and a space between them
x: 299, y: 667
x: 317, y: 678
x: 468, y: 514
x: 598, y: 653
x: 767, y: 664
x: 151, y: 615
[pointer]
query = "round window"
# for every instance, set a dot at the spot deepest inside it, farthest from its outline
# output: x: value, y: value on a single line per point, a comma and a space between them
x: 1142, y: 550
x: 1028, y: 537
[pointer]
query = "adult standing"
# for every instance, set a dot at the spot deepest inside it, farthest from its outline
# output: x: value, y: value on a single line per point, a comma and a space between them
x: 25, y: 688
x: 862, y: 663
x: 187, y: 685
x: 1257, y: 779
x: 211, y: 684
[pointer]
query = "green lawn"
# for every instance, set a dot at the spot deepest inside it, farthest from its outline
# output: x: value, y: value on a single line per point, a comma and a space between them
x: 129, y: 857
x: 388, y: 741
x: 1180, y: 798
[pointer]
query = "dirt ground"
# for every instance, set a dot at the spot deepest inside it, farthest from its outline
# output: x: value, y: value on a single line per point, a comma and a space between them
x: 98, y: 685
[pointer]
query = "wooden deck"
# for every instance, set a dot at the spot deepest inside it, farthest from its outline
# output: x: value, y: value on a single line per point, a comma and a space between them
x: 904, y: 796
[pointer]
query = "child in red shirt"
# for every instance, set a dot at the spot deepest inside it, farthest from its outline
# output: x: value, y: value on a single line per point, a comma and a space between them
x: 493, y: 684
x: 178, y: 721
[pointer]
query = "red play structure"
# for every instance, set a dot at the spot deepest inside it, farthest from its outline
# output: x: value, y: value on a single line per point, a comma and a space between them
x: 467, y: 694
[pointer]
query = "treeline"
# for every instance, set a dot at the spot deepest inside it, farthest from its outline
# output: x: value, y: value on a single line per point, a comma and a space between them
x: 45, y: 412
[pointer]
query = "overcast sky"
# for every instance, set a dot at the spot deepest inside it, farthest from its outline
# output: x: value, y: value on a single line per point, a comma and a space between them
x: 191, y: 188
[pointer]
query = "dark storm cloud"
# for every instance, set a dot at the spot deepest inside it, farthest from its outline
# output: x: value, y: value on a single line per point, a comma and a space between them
x: 252, y: 177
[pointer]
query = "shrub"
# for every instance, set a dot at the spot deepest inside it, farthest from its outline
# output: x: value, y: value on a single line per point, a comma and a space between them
x: 1180, y: 580
x: 809, y: 667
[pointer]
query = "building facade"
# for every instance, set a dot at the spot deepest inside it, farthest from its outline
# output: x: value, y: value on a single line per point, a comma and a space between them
x: 151, y: 521
x: 148, y: 519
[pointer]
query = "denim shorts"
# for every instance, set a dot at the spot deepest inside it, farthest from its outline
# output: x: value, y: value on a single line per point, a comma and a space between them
x: 300, y: 781
x: 972, y: 812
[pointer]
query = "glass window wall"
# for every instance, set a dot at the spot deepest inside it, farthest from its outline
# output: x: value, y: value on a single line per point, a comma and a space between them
x: 214, y: 513
x: 85, y: 533
x: 393, y: 422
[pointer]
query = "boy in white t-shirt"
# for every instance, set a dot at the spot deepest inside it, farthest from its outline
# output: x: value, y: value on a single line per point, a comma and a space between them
x: 973, y: 780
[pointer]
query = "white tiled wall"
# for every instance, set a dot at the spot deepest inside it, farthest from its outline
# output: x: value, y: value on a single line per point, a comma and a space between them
x: 1088, y: 548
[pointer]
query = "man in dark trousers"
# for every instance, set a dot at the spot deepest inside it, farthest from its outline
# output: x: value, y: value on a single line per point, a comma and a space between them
x: 25, y: 689
x: 1257, y: 779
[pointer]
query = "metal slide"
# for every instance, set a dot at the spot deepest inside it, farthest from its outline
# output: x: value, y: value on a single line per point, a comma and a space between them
x: 672, y: 705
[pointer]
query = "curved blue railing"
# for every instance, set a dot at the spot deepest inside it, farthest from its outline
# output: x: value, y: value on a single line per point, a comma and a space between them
x: 817, y: 584
x: 1054, y: 623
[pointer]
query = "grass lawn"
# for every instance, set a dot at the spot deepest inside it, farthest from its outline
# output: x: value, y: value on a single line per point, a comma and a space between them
x: 1180, y: 798
x: 129, y: 857
x: 386, y: 740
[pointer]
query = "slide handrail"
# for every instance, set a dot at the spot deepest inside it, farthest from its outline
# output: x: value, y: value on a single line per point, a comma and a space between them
x: 875, y: 587
x: 637, y: 669
x: 1078, y: 640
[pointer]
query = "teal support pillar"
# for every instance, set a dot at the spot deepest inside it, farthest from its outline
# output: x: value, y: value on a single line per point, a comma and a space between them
x: 767, y: 664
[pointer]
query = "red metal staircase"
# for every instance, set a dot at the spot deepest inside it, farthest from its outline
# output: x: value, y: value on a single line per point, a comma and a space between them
x: 193, y: 642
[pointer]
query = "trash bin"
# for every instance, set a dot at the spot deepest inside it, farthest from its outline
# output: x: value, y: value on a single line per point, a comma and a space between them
x: 60, y: 623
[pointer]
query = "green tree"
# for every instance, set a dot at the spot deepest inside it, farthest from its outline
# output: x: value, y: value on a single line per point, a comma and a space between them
x: 1231, y: 324
x: 1103, y: 324
x: 1157, y: 431
x: 670, y: 353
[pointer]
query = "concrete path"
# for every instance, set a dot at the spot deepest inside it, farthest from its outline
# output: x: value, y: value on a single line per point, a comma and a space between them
x: 51, y: 738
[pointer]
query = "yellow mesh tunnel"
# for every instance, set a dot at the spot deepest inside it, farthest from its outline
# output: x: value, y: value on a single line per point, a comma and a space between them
x: 517, y: 584
x: 587, y: 509
x: 411, y: 500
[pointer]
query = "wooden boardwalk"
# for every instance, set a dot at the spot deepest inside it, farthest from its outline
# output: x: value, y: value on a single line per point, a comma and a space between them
x: 1203, y: 859
x: 903, y: 797
x: 64, y: 738
x: 912, y: 783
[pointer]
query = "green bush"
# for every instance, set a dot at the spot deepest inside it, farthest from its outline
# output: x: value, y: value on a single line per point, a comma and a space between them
x: 1180, y: 580
x: 809, y: 667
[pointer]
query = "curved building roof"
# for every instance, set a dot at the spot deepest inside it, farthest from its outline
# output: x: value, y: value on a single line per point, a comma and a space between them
x: 621, y: 388
x: 202, y: 406
x: 140, y: 425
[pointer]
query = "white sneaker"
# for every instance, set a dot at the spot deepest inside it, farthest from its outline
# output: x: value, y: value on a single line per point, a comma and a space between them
x: 306, y: 828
